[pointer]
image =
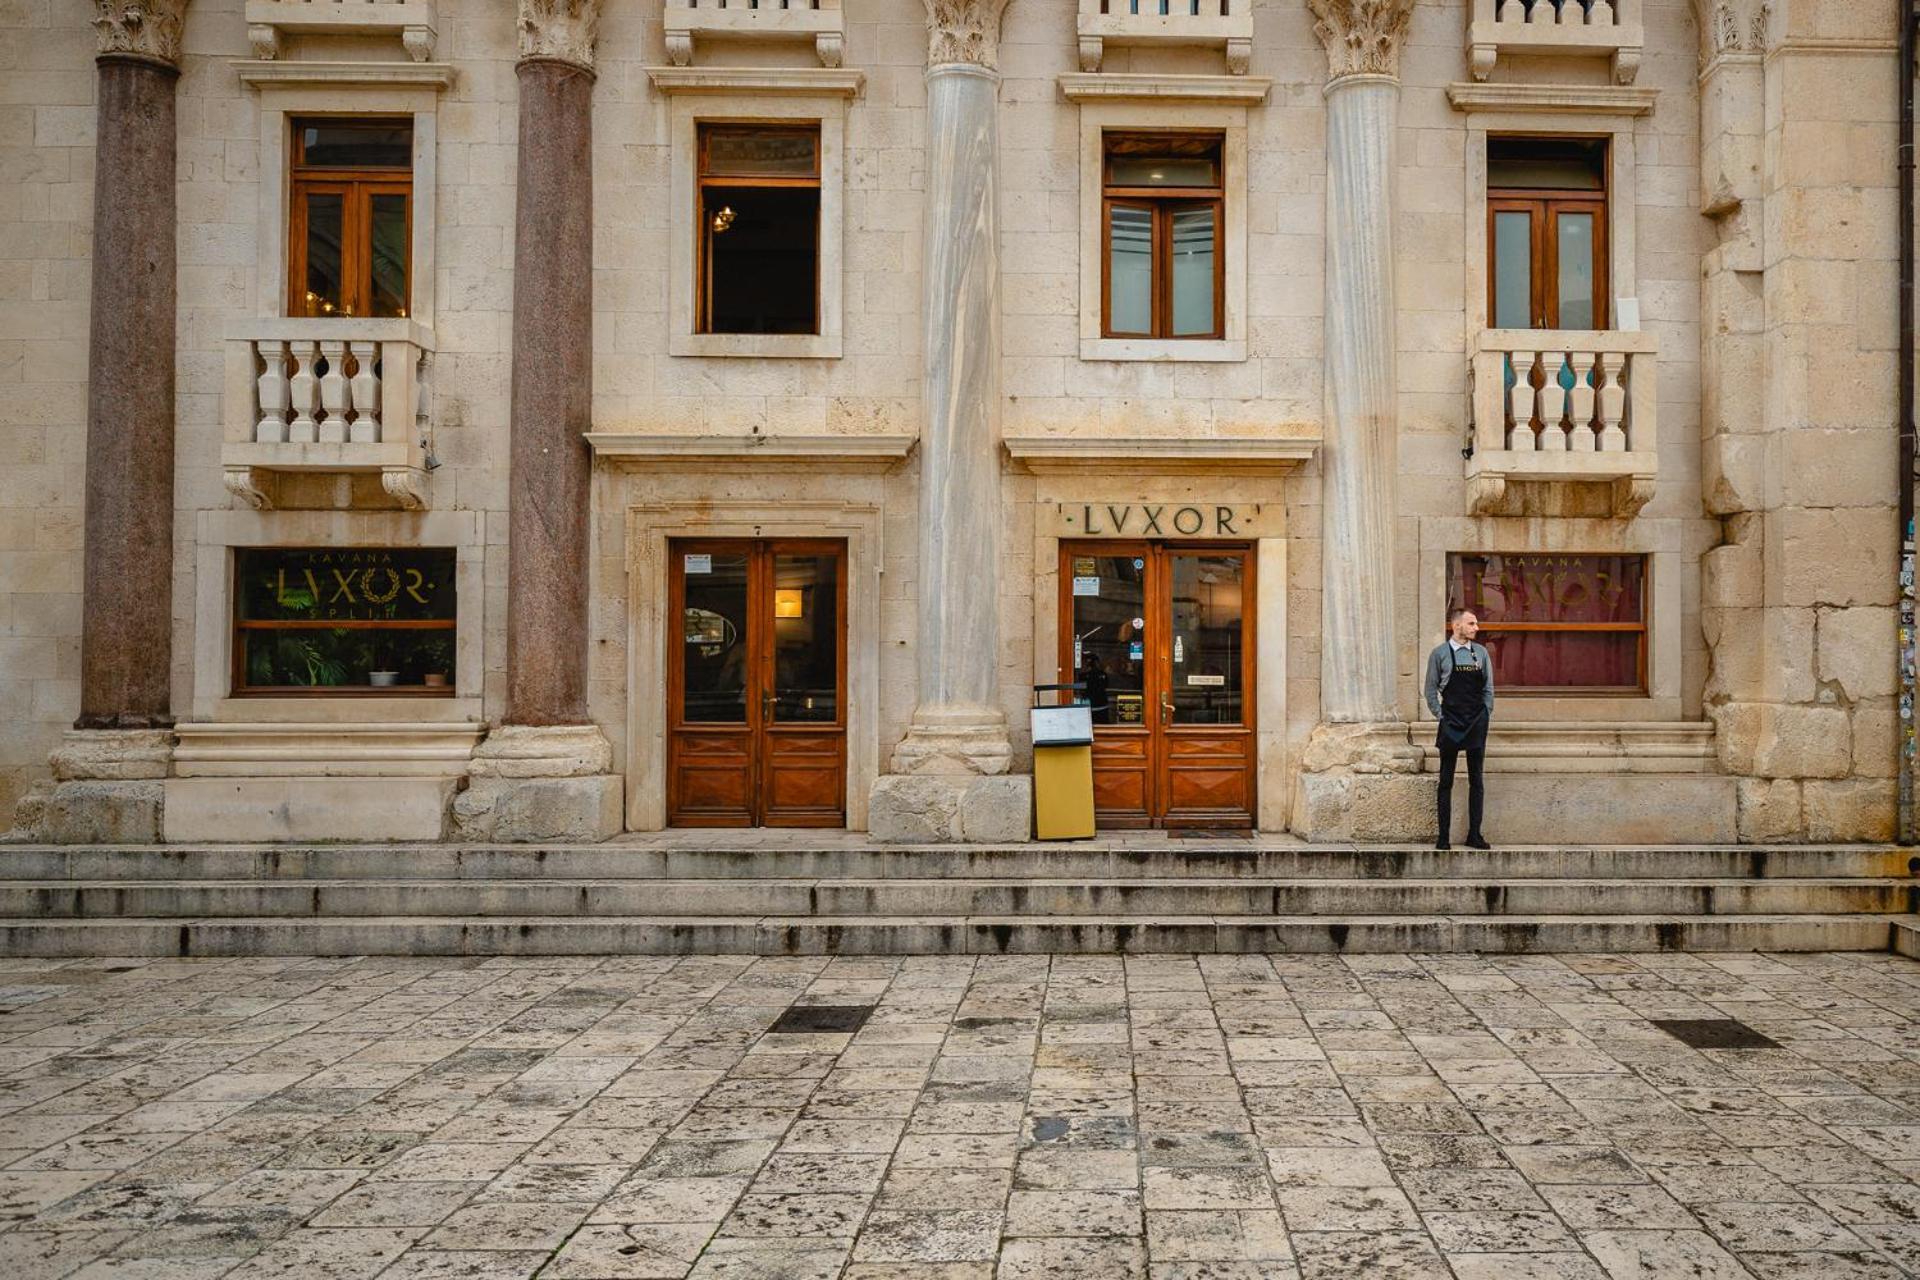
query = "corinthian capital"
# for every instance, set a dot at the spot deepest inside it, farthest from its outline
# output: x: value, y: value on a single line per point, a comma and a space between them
x: 144, y: 29
x: 1362, y: 36
x: 964, y: 31
x: 1731, y: 27
x: 563, y: 30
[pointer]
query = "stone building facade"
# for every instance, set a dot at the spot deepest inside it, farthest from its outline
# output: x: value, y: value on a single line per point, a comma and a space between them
x: 423, y: 461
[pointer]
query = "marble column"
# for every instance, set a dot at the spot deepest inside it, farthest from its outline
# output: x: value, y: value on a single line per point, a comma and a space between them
x: 108, y: 772
x: 544, y: 773
x: 948, y: 778
x: 126, y: 637
x: 1358, y: 670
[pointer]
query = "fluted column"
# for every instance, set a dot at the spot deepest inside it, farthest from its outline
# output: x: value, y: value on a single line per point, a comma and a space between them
x: 545, y: 773
x: 958, y: 726
x: 1358, y: 671
x: 126, y: 636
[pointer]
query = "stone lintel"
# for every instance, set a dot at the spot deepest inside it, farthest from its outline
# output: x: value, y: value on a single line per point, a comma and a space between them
x: 1081, y: 86
x: 372, y: 75
x: 1554, y: 99
x: 810, y: 82
x: 1147, y: 455
x: 840, y: 452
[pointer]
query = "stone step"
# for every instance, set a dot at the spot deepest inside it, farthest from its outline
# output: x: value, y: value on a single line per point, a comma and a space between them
x: 872, y: 935
x: 1906, y: 938
x: 848, y: 857
x: 951, y: 898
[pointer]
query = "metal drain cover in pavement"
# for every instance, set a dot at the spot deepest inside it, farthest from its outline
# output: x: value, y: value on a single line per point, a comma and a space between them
x: 1714, y: 1033
x: 805, y: 1018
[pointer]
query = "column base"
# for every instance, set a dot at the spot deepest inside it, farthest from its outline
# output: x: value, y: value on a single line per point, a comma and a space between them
x: 107, y: 788
x: 541, y: 782
x: 959, y: 743
x: 936, y: 808
x: 1363, y: 782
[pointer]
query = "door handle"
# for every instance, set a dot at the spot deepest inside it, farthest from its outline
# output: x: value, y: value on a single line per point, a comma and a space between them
x: 1166, y: 710
x: 767, y: 701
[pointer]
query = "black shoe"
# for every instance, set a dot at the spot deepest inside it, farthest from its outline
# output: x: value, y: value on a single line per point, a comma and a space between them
x: 1443, y: 847
x: 1478, y: 842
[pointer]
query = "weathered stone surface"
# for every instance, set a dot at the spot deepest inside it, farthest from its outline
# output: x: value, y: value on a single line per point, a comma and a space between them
x: 518, y: 810
x: 543, y: 751
x: 267, y: 809
x: 1855, y: 809
x: 949, y: 808
x: 113, y: 755
x: 1802, y: 742
x: 93, y: 812
x: 1876, y: 741
x: 1833, y: 557
x: 1858, y: 651
x: 1524, y: 808
x: 1769, y: 809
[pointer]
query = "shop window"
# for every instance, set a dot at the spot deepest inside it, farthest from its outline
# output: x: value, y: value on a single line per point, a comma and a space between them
x: 1547, y: 233
x: 357, y: 620
x: 1557, y: 623
x: 1161, y: 216
x: 759, y: 235
x: 351, y: 210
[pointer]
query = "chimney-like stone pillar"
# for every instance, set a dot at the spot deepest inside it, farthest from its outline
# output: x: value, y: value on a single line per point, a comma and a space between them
x: 544, y: 773
x: 107, y: 772
x: 950, y: 779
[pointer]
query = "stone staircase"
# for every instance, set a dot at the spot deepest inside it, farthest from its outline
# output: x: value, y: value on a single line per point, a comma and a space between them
x: 834, y: 893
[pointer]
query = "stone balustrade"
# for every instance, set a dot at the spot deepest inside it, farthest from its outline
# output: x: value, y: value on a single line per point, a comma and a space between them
x: 1225, y: 23
x: 1564, y: 405
x: 413, y: 20
x: 821, y: 21
x: 1576, y: 28
x: 328, y: 394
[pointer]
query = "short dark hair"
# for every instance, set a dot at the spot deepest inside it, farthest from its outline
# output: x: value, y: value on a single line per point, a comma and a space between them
x: 1453, y: 614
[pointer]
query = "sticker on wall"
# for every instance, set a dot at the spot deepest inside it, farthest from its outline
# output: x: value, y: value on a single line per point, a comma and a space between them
x: 1137, y: 650
x: 1139, y: 624
x: 1208, y: 682
x: 1086, y: 586
x: 699, y: 564
x: 1078, y: 655
x: 1139, y: 563
x: 1179, y: 649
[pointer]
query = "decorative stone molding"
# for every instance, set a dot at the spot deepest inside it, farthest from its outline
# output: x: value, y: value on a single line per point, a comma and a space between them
x: 543, y: 751
x: 559, y: 30
x: 112, y: 755
x: 1221, y: 24
x: 267, y: 72
x: 1363, y: 37
x: 804, y: 82
x: 1611, y: 29
x: 1554, y: 99
x: 964, y: 31
x: 249, y: 484
x: 785, y: 452
x: 1150, y: 455
x: 147, y: 30
x: 407, y: 486
x: 1731, y: 28
x: 1239, y: 90
x: 822, y: 23
x: 414, y: 21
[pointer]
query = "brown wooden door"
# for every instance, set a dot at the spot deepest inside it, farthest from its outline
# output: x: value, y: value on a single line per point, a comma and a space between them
x: 1162, y: 634
x: 757, y: 684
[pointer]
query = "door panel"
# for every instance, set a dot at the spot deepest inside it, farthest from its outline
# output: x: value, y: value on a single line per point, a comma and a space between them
x: 758, y: 692
x: 1162, y: 635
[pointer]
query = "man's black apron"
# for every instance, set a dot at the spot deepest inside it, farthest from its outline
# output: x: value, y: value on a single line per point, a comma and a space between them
x: 1463, y: 703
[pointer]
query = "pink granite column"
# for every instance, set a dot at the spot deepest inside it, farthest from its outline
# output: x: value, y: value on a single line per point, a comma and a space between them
x: 126, y: 637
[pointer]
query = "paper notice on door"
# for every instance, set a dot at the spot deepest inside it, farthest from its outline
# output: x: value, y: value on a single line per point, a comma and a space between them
x: 1208, y: 682
x: 1179, y: 650
x: 699, y: 564
x: 1078, y: 656
x: 1086, y: 586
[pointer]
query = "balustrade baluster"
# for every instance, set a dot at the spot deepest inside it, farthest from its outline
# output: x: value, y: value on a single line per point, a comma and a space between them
x: 1553, y: 402
x: 1580, y: 435
x: 366, y: 394
x: 1520, y: 400
x: 303, y: 389
x: 1600, y: 15
x: 333, y: 391
x: 1613, y: 402
x: 272, y: 384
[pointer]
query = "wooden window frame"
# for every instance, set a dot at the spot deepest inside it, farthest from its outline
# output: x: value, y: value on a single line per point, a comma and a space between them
x: 1643, y: 628
x: 356, y: 187
x: 1545, y: 204
x: 1163, y: 202
x: 703, y: 181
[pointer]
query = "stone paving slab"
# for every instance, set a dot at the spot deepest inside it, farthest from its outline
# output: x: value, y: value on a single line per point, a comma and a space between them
x: 960, y: 1118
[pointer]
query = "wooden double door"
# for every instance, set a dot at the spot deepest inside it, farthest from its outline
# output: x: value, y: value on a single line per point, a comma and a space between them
x: 1162, y: 634
x: 757, y: 683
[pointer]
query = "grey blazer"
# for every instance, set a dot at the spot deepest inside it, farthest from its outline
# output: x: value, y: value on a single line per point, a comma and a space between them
x: 1440, y: 667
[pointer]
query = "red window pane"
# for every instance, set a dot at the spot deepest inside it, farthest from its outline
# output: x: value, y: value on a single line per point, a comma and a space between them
x: 1570, y: 622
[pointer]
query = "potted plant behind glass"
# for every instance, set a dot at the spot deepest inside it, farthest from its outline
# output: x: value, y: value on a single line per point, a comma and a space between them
x: 436, y: 661
x: 380, y: 671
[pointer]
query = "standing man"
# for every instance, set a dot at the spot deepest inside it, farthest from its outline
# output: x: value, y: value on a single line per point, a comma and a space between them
x: 1460, y: 695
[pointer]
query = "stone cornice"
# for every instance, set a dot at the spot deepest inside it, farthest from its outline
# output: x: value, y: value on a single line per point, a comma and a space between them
x: 1363, y: 37
x: 559, y: 30
x: 964, y: 31
x: 148, y: 30
x: 1586, y: 100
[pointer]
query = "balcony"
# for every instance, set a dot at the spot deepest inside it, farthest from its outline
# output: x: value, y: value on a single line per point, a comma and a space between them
x: 1563, y: 28
x: 412, y: 20
x: 1227, y: 24
x: 340, y: 395
x: 820, y: 21
x: 1564, y: 406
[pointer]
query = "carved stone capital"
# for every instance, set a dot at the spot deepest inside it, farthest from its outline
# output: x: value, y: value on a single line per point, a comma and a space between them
x: 966, y: 31
x: 563, y: 30
x: 1362, y: 36
x: 1731, y: 28
x: 148, y: 30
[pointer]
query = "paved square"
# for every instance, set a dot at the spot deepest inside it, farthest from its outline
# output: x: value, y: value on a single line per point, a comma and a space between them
x: 1180, y: 1118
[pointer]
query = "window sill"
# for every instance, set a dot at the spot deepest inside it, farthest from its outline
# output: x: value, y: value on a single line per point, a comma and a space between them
x: 1170, y: 350
x: 764, y: 346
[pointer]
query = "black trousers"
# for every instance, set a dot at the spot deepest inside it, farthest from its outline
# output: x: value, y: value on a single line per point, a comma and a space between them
x: 1476, y: 790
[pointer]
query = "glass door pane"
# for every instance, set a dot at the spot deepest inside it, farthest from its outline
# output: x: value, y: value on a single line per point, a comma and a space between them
x: 1512, y: 269
x: 1574, y: 248
x: 806, y: 638
x: 1129, y: 269
x: 1193, y: 271
x: 1109, y: 638
x: 1209, y: 654
x: 388, y: 250
x: 714, y: 656
x: 323, y: 293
